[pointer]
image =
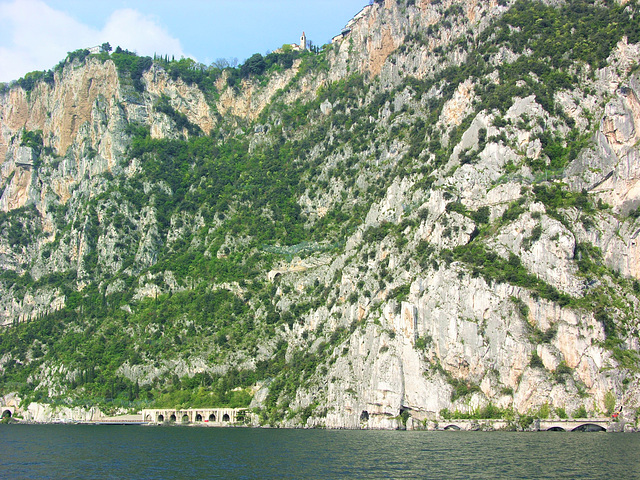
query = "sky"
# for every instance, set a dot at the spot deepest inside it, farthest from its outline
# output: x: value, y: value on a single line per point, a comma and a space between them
x: 37, y: 34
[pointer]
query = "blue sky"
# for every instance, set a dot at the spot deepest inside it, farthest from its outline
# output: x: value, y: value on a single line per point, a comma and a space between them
x: 37, y: 34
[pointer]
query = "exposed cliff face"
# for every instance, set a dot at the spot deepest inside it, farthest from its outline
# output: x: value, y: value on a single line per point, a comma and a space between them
x: 60, y: 112
x: 432, y: 215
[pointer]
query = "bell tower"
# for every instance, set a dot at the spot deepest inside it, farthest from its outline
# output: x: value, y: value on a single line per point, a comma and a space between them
x: 303, y: 41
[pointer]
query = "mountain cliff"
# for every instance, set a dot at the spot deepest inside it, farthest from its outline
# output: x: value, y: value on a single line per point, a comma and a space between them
x: 433, y: 216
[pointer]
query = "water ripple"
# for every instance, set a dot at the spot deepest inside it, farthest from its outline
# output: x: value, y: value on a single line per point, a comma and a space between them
x: 103, y: 452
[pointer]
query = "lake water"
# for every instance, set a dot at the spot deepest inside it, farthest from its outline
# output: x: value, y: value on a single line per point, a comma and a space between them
x: 137, y: 452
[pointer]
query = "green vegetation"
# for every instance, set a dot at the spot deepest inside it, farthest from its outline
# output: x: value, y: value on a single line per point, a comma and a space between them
x: 33, y: 140
x: 492, y: 268
x: 31, y: 79
x: 182, y: 122
x: 561, y: 371
x: 461, y: 388
x: 487, y: 412
x: 578, y: 31
x: 536, y: 361
x: 521, y: 307
x: 609, y: 402
x: 554, y: 197
x: 581, y: 412
x: 131, y: 65
x: 423, y: 342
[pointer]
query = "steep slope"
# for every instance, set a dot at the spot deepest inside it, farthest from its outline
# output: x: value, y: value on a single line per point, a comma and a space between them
x: 433, y: 216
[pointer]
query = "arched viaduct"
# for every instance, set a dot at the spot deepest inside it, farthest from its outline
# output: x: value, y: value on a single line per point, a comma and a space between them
x: 576, y: 425
x: 573, y: 425
x: 211, y: 416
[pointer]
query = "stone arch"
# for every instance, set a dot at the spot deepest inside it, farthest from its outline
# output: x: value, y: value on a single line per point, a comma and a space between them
x: 404, y: 415
x: 160, y: 418
x: 226, y: 418
x: 172, y: 418
x: 147, y: 418
x: 198, y: 417
x: 556, y: 429
x: 589, y: 427
x: 452, y: 427
x: 212, y: 417
x: 273, y: 275
x: 7, y: 414
x: 185, y: 418
x: 364, y: 416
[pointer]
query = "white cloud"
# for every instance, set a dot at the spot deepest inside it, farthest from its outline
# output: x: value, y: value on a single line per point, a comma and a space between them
x: 133, y: 30
x: 34, y: 36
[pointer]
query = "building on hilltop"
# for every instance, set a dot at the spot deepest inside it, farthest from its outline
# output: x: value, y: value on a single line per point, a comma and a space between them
x: 347, y: 29
x: 303, y: 43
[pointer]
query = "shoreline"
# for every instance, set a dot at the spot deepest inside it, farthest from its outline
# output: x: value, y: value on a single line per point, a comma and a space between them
x: 591, y: 426
x: 46, y: 414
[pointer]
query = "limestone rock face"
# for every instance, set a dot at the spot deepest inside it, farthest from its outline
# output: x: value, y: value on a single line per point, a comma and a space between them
x: 183, y: 97
x: 253, y: 98
x: 44, y: 413
x: 16, y: 193
x: 453, y: 252
x: 61, y: 110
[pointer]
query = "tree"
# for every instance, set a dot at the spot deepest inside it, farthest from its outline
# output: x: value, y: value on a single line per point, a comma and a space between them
x: 312, y: 47
x: 609, y: 402
x: 221, y: 63
x: 105, y: 48
x: 255, y: 65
